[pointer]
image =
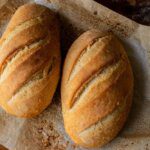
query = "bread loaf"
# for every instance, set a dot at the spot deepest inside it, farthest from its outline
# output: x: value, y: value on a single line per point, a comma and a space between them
x: 96, y: 89
x: 29, y: 61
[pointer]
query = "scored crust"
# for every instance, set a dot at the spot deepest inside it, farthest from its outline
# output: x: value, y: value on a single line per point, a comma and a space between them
x: 96, y: 89
x: 29, y: 61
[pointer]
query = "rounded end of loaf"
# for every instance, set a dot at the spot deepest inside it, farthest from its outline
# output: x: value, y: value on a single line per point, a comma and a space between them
x: 104, y: 131
x: 34, y: 97
x: 96, y: 90
x: 29, y: 61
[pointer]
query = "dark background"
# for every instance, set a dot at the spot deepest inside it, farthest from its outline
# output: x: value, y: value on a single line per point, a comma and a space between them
x: 138, y: 10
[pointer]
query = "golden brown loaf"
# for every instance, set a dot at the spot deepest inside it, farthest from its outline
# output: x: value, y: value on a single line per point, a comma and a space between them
x: 96, y: 90
x: 29, y: 61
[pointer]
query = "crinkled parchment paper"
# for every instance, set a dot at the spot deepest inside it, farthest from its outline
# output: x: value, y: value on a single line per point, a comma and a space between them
x: 46, y: 131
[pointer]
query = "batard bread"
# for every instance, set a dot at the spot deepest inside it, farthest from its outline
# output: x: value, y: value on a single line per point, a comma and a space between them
x: 29, y: 61
x: 96, y: 89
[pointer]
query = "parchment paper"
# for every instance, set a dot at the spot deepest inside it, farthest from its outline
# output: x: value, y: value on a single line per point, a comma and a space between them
x: 46, y: 131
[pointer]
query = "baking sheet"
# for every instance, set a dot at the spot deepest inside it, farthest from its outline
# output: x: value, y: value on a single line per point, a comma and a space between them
x: 46, y: 131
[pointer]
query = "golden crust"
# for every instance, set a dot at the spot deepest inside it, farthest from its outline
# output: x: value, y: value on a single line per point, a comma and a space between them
x: 29, y: 61
x: 96, y: 89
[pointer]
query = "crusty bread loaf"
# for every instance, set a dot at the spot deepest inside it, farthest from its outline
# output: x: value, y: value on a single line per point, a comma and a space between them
x: 96, y: 89
x: 2, y: 147
x: 29, y: 61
